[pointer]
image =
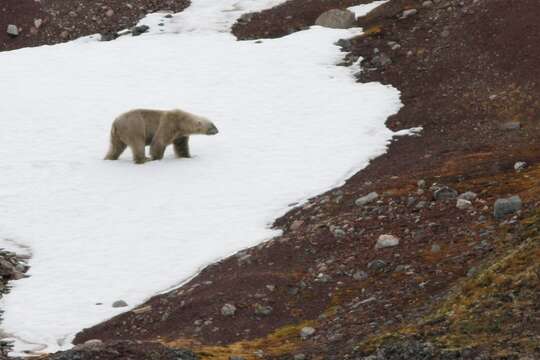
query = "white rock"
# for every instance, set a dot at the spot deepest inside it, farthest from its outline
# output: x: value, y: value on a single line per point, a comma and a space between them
x: 463, y: 204
x: 12, y: 30
x: 306, y: 332
x: 386, y: 240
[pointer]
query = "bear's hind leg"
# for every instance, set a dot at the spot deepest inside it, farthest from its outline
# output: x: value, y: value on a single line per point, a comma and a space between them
x: 181, y: 147
x: 116, y: 149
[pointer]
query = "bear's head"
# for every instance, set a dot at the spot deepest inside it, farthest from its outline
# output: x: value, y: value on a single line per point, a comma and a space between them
x: 206, y: 127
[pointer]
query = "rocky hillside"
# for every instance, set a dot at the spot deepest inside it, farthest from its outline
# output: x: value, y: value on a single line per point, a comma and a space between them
x: 431, y: 252
x: 30, y: 23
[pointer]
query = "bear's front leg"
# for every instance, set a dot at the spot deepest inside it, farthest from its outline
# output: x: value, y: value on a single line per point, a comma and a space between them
x: 181, y: 147
x: 157, y: 150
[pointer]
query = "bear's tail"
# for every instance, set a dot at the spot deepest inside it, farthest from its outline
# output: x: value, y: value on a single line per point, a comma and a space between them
x: 116, y: 146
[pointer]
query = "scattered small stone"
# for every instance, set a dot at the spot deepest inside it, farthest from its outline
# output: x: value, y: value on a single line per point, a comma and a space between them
x: 520, y: 166
x: 306, y: 332
x: 445, y: 193
x: 12, y: 30
x: 376, y: 265
x: 472, y: 271
x: 336, y: 19
x: 91, y: 345
x: 296, y: 224
x: 366, y: 199
x: 263, y: 310
x: 109, y: 36
x: 324, y: 278
x: 119, y: 303
x: 386, y: 240
x: 38, y: 23
x: 271, y: 287
x: 344, y: 44
x: 420, y: 205
x: 463, y: 204
x: 235, y: 357
x: 360, y: 275
x: 138, y: 30
x: 408, y: 13
x: 427, y: 4
x: 228, y: 310
x: 421, y: 184
x: 469, y: 195
x: 506, y: 206
x: 435, y: 248
x: 510, y: 125
x: 338, y: 232
x: 109, y: 12
x: 300, y: 357
x: 381, y: 60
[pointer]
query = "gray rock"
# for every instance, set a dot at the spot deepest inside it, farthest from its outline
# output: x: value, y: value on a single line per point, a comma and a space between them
x: 421, y: 184
x: 344, y: 44
x: 90, y: 345
x: 510, y: 125
x: 263, y: 310
x: 296, y: 224
x: 377, y: 265
x: 228, y: 310
x: 299, y: 357
x: 506, y: 206
x: 469, y: 195
x: 366, y: 199
x: 234, y: 357
x: 427, y: 4
x: 463, y: 204
x: 336, y: 19
x: 12, y: 30
x: 109, y: 36
x: 381, y: 60
x: 435, y: 248
x: 386, y: 240
x: 445, y: 193
x: 408, y: 13
x: 421, y: 204
x: 138, y: 30
x: 119, y: 303
x: 306, y: 332
x: 360, y: 275
x: 338, y: 232
x: 520, y: 166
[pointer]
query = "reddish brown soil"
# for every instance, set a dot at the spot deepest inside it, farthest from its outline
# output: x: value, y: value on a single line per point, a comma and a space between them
x: 465, y: 69
x: 63, y: 20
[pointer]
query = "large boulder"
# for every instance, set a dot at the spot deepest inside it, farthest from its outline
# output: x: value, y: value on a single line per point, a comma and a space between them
x: 336, y: 19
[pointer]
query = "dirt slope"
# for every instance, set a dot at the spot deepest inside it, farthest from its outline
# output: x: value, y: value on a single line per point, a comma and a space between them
x: 45, y: 22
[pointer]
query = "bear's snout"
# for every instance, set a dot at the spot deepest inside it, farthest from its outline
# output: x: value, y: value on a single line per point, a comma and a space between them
x: 212, y: 130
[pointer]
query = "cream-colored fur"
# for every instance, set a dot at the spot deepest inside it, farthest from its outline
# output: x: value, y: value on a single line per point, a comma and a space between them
x: 157, y: 128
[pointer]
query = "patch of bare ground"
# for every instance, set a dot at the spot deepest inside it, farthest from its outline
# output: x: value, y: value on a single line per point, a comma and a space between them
x: 460, y: 283
x: 49, y: 22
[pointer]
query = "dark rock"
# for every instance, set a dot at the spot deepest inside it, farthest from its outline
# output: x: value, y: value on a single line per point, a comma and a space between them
x: 119, y: 303
x: 109, y: 36
x: 138, y: 30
